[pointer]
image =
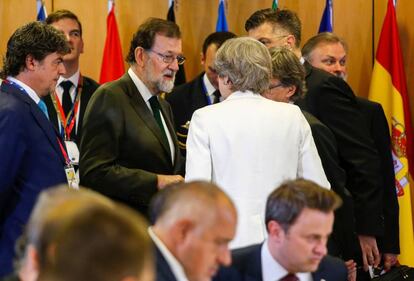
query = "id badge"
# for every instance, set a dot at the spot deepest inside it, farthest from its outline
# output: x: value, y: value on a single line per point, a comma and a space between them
x: 71, y: 177
x: 73, y: 152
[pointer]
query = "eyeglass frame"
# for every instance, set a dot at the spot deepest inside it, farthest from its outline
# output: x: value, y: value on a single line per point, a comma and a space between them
x: 169, y: 58
x: 271, y: 87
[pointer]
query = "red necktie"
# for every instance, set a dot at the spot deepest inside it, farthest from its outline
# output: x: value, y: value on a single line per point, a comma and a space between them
x: 290, y: 277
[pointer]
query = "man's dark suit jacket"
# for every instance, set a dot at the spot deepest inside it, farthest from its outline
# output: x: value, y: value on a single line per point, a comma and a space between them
x: 184, y: 100
x: 31, y: 161
x: 163, y: 269
x: 247, y: 266
x: 332, y: 101
x: 378, y: 125
x: 343, y: 241
x: 88, y: 88
x: 122, y: 148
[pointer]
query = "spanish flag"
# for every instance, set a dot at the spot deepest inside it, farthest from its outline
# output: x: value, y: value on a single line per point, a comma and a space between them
x: 389, y: 87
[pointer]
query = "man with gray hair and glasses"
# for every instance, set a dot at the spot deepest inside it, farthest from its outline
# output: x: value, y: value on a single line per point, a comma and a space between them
x: 129, y: 148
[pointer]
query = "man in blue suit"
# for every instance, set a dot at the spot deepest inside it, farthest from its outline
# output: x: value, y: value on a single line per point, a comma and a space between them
x: 32, y: 155
x: 299, y: 219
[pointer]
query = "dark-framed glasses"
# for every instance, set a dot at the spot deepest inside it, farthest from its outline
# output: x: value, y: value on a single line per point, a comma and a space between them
x: 169, y: 58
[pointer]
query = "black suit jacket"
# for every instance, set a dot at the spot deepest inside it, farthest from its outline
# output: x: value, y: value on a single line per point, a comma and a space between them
x: 332, y: 101
x: 343, y: 241
x: 247, y: 266
x: 122, y: 148
x: 184, y: 100
x: 89, y: 87
x: 378, y: 125
x: 163, y: 270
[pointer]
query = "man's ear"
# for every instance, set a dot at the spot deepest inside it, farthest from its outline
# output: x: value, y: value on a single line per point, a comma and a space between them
x: 275, y: 230
x: 30, y: 63
x: 139, y: 54
x: 82, y: 45
x: 181, y: 229
x: 291, y: 42
x: 203, y: 58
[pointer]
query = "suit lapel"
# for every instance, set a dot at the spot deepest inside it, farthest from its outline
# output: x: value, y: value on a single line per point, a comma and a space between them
x: 141, y: 108
x: 167, y: 117
x: 163, y: 271
x: 254, y: 268
x: 199, y: 95
x: 52, y: 111
x: 40, y: 118
x: 84, y: 99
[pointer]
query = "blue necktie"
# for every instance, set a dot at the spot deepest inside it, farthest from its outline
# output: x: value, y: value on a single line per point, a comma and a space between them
x: 43, y: 108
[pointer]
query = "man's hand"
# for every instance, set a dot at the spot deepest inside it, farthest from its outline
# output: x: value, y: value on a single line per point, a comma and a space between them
x: 352, y: 270
x: 389, y: 260
x: 370, y: 253
x: 164, y: 180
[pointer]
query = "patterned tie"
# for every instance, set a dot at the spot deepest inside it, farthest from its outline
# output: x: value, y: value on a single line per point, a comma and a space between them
x: 41, y: 104
x: 155, y: 106
x: 217, y: 96
x: 67, y: 103
x: 290, y: 277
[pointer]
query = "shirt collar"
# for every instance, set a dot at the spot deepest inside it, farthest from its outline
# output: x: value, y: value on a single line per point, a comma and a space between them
x: 302, y: 60
x: 32, y: 94
x: 272, y: 270
x: 142, y: 89
x: 74, y: 79
x: 174, y: 264
x: 209, y: 87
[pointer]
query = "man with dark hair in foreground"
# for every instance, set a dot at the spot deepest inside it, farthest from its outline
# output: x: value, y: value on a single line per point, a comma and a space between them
x: 32, y: 153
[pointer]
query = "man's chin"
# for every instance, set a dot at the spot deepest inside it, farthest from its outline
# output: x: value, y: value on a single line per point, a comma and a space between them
x: 166, y: 86
x: 313, y: 266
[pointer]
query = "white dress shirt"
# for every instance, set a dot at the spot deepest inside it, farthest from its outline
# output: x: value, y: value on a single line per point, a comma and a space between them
x: 209, y: 87
x: 146, y: 95
x: 174, y: 264
x: 32, y: 94
x: 274, y: 271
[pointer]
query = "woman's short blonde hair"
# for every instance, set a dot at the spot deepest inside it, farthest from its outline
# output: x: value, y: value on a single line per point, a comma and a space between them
x: 247, y: 64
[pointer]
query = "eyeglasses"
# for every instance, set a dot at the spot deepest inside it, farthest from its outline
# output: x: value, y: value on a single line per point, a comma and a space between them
x: 271, y: 87
x: 169, y: 58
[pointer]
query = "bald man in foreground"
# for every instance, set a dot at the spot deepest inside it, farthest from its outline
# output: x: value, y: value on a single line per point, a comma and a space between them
x: 194, y: 223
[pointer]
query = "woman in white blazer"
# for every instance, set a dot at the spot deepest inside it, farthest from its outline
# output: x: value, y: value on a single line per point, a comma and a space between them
x: 248, y: 144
